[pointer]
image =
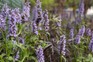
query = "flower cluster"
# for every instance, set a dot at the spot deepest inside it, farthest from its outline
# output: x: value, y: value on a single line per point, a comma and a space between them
x: 62, y: 45
x: 3, y: 16
x: 80, y: 34
x: 12, y: 24
x: 46, y: 23
x: 34, y: 28
x: 38, y: 16
x: 26, y: 12
x: 17, y: 15
x: 72, y: 33
x: 40, y: 55
x: 2, y: 22
x: 88, y: 32
x: 37, y: 12
x: 13, y: 16
x: 91, y: 44
x: 81, y: 31
x: 77, y: 39
x: 5, y: 11
x: 81, y: 8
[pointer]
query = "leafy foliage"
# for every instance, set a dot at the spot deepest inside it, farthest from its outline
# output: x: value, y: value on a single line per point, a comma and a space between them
x: 49, y: 40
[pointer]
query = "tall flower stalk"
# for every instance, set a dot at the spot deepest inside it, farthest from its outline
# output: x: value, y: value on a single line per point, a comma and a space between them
x: 37, y: 17
x: 5, y: 10
x: 77, y: 39
x: 38, y: 12
x: 26, y: 12
x: 17, y: 16
x: 12, y: 29
x: 34, y: 28
x: 62, y: 45
x: 72, y: 33
x: 82, y: 31
x: 2, y: 22
x: 40, y: 54
x: 88, y: 32
x: 81, y: 8
x: 91, y: 43
x: 3, y: 16
x: 46, y: 23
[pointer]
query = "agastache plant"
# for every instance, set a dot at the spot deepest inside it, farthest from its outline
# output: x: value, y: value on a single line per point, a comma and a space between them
x: 46, y: 23
x: 81, y: 8
x: 39, y: 12
x: 34, y: 28
x: 37, y: 16
x: 5, y: 10
x: 2, y: 22
x: 12, y: 30
x: 40, y: 54
x: 34, y: 24
x: 88, y: 32
x: 3, y: 16
x: 91, y: 43
x: 62, y: 45
x: 81, y: 31
x: 77, y: 39
x: 72, y: 33
x: 17, y: 16
x: 26, y: 12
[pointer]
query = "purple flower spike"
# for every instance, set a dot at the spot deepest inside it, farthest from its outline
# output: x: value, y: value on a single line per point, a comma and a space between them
x: 62, y: 45
x: 82, y: 31
x: 77, y: 39
x: 91, y: 44
x: 35, y: 14
x: 39, y: 11
x: 72, y: 33
x: 81, y: 7
x: 4, y: 13
x: 17, y: 15
x: 12, y: 24
x: 40, y: 55
x: 5, y: 10
x: 88, y: 32
x: 37, y: 17
x: 38, y: 3
x: 17, y: 56
x: 26, y: 12
x: 35, y: 28
x: 2, y: 22
x: 46, y: 23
